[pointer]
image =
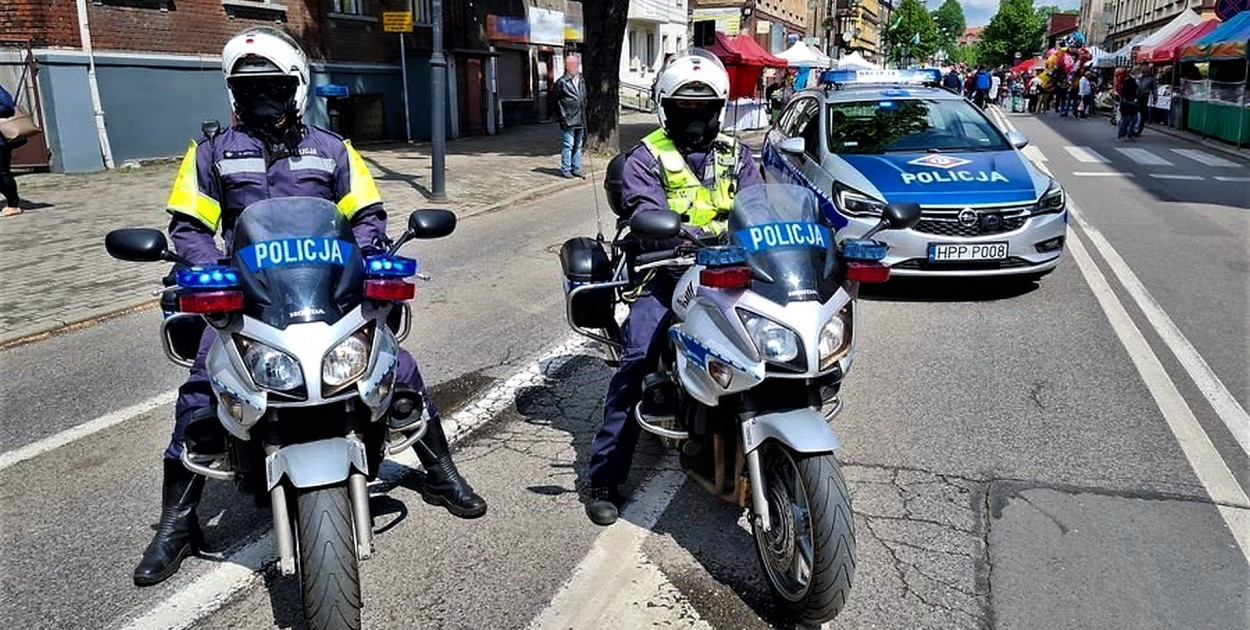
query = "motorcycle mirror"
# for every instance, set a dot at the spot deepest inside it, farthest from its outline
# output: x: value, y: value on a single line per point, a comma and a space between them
x: 137, y: 245
x: 656, y: 224
x: 431, y: 223
x: 899, y: 216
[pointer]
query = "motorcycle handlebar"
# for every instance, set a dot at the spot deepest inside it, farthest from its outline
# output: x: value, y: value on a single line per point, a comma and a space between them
x: 650, y: 257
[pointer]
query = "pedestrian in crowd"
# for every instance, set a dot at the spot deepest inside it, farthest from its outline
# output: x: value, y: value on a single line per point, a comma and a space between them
x: 1128, y: 108
x: 1061, y: 97
x: 1034, y: 91
x: 1074, y: 98
x: 1145, y: 93
x: 996, y: 85
x: 1086, y: 92
x: 951, y: 81
x: 982, y: 83
x: 970, y: 85
x: 8, y: 185
x: 571, y: 114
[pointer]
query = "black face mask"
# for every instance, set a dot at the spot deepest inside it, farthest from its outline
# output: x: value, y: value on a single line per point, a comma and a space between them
x: 692, y: 129
x: 265, y: 105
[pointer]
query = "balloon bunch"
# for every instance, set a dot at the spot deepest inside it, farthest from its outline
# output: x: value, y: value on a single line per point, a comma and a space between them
x: 1062, y: 64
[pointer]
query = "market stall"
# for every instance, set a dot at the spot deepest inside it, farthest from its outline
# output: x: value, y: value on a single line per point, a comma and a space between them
x: 1215, y: 67
x: 1145, y: 48
x: 1164, y: 57
x: 745, y: 61
x: 856, y: 61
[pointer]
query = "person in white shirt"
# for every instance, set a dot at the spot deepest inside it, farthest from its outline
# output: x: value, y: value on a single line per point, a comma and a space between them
x: 1086, y: 92
x: 996, y: 82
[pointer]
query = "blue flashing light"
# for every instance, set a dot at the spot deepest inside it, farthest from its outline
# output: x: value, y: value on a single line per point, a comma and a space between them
x: 214, y: 277
x: 388, y: 266
x: 917, y: 76
x: 724, y: 256
x: 864, y: 250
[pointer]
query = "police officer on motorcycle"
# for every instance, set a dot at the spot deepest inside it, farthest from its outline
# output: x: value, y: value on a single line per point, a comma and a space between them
x: 270, y: 153
x: 686, y: 166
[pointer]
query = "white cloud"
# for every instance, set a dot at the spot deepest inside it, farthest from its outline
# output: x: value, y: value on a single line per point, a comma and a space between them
x: 979, y: 12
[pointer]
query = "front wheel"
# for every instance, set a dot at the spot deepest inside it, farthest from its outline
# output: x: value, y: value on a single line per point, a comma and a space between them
x: 809, y: 554
x: 329, y: 573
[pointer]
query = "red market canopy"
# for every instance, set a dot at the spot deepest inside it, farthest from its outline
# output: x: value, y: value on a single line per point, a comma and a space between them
x: 1027, y: 65
x: 1169, y: 50
x: 745, y: 61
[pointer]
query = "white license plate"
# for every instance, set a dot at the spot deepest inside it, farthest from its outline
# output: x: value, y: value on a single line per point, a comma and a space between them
x: 942, y: 252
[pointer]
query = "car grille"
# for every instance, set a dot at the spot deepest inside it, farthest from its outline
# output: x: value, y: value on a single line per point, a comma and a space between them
x: 921, y: 264
x: 945, y: 221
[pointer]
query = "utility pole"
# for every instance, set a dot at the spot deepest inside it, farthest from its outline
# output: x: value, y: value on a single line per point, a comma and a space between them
x: 438, y: 111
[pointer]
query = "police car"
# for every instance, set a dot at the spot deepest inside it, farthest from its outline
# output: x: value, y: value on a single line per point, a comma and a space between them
x: 865, y: 139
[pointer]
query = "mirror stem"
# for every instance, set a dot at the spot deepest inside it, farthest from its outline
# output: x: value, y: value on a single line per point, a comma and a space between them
x: 175, y: 258
x: 881, y: 225
x: 400, y: 242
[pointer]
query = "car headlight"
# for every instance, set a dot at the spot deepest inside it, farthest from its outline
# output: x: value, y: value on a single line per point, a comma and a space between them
x: 773, y: 341
x: 271, y: 368
x: 347, y: 361
x: 835, y: 338
x: 854, y: 203
x: 1053, y: 201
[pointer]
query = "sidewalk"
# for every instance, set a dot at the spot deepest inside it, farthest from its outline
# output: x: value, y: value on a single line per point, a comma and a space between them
x: 57, y: 274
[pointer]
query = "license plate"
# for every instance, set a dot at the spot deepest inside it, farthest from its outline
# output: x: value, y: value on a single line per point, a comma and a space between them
x: 942, y: 252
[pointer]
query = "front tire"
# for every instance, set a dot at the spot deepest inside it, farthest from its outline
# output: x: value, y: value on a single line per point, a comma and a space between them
x: 809, y: 555
x: 329, y: 573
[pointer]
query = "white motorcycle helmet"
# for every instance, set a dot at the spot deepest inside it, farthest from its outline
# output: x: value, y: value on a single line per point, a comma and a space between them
x: 265, y: 52
x: 690, y: 79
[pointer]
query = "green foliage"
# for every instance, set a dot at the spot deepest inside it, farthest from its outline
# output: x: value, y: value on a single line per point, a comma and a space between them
x: 1016, y: 28
x: 912, y: 36
x: 963, y: 54
x: 950, y: 18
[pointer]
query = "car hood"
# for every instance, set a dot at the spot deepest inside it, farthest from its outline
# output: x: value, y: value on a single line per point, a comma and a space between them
x: 971, y: 178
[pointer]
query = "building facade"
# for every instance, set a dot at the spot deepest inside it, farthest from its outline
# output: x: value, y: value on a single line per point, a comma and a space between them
x: 1095, y: 21
x: 869, y: 21
x: 1059, y: 26
x: 775, y: 24
x: 158, y: 69
x: 656, y: 29
x: 1126, y: 19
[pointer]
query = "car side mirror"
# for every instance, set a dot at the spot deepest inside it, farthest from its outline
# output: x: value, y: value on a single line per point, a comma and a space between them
x: 793, y: 146
x: 1017, y: 139
x: 137, y: 245
x: 656, y: 224
x: 427, y: 224
x: 900, y: 216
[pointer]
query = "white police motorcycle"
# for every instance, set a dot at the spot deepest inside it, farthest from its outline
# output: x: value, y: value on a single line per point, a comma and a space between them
x: 303, y: 375
x: 763, y: 335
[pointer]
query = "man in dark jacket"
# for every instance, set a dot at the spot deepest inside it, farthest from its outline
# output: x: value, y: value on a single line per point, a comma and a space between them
x: 8, y: 185
x: 1128, y: 108
x: 571, y: 113
x: 951, y: 81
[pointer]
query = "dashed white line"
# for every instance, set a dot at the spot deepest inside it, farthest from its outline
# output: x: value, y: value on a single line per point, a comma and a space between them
x: 241, y: 568
x: 52, y: 442
x: 1224, y: 178
x: 1189, y: 178
x: 1086, y: 155
x: 1142, y: 156
x: 1101, y: 174
x: 1205, y: 158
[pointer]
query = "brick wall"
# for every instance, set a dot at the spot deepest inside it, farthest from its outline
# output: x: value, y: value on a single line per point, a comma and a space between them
x: 197, y: 26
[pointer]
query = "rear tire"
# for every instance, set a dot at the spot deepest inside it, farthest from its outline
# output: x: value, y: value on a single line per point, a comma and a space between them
x: 819, y: 508
x: 328, y: 569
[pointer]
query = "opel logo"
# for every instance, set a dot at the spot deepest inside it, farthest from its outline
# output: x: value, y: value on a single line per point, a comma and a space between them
x: 967, y: 217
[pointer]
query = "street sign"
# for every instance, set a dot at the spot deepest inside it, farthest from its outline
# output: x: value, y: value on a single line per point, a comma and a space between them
x: 397, y: 21
x: 332, y: 90
x: 1226, y: 9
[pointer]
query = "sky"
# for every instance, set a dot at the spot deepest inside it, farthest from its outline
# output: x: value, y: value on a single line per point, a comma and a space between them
x: 979, y: 12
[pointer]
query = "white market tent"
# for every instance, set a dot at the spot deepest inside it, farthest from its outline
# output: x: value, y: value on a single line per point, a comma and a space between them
x: 1185, y: 18
x: 803, y: 56
x: 1120, y: 57
x: 856, y: 61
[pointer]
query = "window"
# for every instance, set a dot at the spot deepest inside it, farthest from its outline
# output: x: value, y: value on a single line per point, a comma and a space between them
x: 792, y: 120
x: 884, y: 126
x: 650, y: 58
x: 348, y: 7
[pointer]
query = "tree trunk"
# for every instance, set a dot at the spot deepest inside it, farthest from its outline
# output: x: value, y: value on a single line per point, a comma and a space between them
x: 605, y: 33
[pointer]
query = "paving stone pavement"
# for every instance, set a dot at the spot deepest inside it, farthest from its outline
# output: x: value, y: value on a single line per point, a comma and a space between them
x: 57, y: 273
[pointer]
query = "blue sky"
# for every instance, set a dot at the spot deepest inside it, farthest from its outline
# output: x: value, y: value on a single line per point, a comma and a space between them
x: 979, y: 12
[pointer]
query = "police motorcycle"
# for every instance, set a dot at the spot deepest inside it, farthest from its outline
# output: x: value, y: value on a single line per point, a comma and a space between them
x: 763, y: 334
x: 303, y: 372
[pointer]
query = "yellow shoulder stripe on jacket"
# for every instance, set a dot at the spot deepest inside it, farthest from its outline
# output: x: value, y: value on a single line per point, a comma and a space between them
x: 186, y: 197
x: 362, y: 191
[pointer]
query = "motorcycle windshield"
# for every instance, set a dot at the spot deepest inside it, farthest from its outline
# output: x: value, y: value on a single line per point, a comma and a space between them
x: 297, y: 261
x: 787, y: 242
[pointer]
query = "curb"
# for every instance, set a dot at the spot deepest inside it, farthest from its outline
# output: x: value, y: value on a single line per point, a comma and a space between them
x: 42, y: 331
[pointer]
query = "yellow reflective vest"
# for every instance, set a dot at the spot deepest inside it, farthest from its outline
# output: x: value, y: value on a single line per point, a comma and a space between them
x: 700, y: 206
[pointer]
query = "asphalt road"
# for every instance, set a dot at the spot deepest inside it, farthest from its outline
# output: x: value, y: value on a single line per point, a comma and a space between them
x: 1012, y: 450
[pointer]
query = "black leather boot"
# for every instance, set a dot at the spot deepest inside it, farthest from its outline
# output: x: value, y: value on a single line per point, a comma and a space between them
x: 443, y: 484
x: 602, y: 505
x: 178, y: 533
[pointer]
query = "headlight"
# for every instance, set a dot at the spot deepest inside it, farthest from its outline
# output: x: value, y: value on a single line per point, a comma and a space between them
x: 348, y: 360
x: 774, y: 341
x: 855, y: 203
x: 271, y: 368
x: 835, y: 338
x: 1053, y: 201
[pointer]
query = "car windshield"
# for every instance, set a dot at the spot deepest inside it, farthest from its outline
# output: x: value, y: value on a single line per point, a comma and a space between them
x: 787, y: 242
x: 910, y: 124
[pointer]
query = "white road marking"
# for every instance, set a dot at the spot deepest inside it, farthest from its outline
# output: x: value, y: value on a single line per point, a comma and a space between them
x: 1223, y: 178
x: 1101, y: 174
x: 1190, y: 178
x: 1142, y: 156
x: 1226, y: 407
x: 1086, y: 155
x: 614, y: 584
x: 55, y: 441
x: 241, y: 569
x: 1206, y: 462
x: 1205, y: 158
x: 1033, y: 153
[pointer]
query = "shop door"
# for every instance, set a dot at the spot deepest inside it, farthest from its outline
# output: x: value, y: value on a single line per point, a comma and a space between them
x: 471, y: 84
